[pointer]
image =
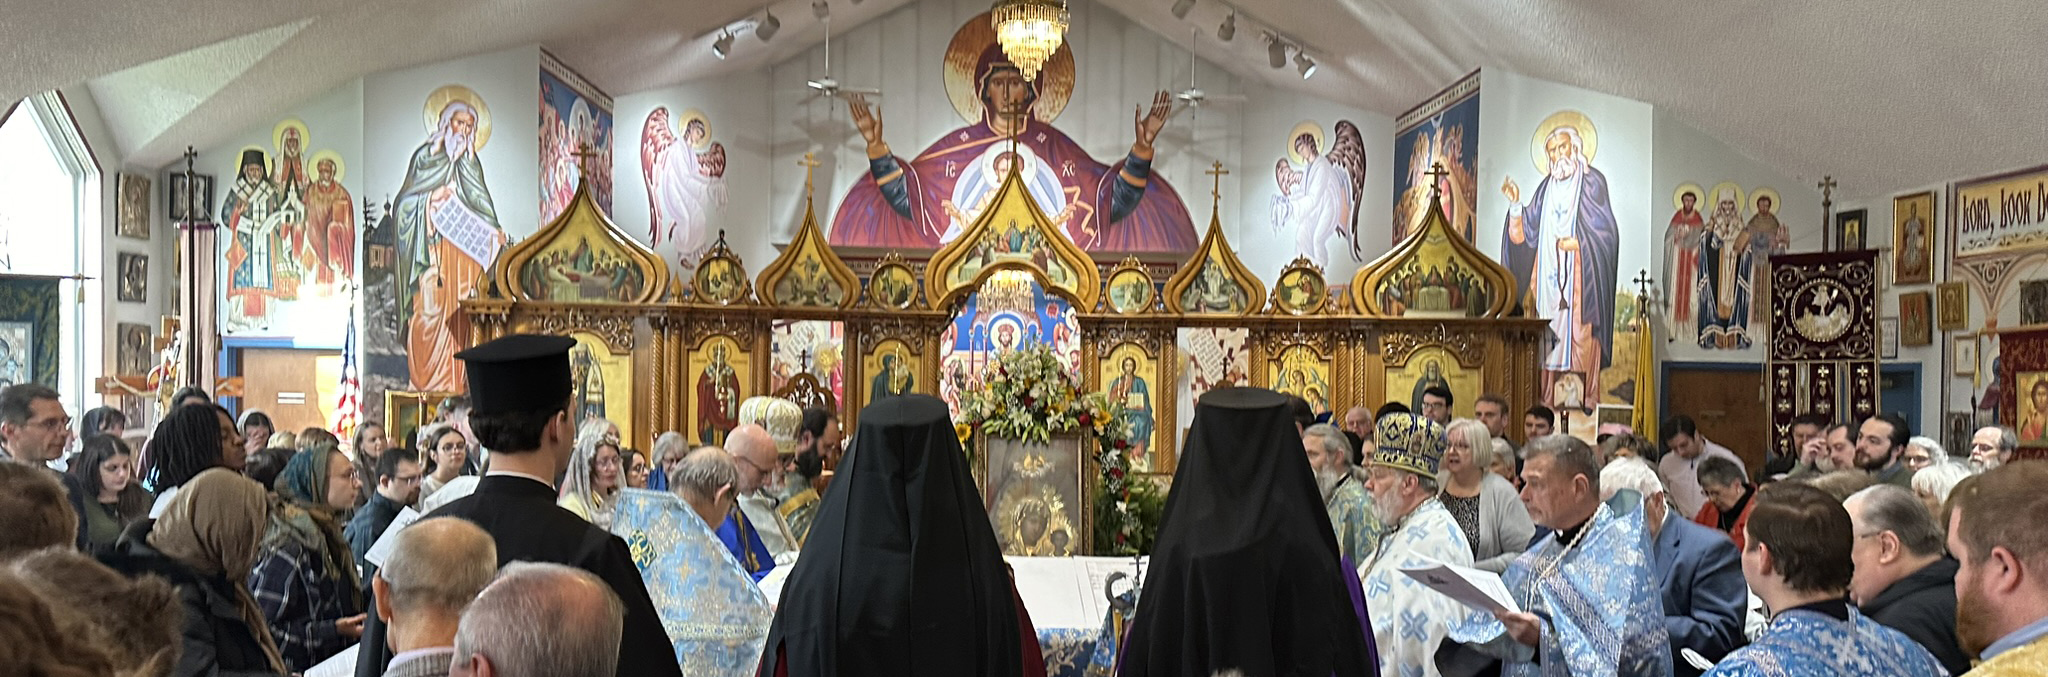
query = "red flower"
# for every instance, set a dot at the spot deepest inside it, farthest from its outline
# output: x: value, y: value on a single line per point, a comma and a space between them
x: 1027, y: 400
x: 1119, y: 538
x: 1116, y: 473
x: 1085, y: 419
x: 1122, y: 445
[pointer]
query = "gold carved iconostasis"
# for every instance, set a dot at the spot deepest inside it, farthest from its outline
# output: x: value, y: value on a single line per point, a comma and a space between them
x: 656, y: 354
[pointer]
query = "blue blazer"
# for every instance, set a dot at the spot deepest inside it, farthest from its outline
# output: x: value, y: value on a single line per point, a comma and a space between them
x: 1705, y: 597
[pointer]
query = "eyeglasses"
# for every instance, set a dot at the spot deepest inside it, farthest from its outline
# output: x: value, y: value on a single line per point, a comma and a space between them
x: 52, y: 424
x: 605, y: 461
x: 1918, y: 461
x: 406, y: 479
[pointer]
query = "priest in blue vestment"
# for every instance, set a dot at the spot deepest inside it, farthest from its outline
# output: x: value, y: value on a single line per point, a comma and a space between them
x: 753, y: 450
x: 1797, y: 560
x: 1591, y: 604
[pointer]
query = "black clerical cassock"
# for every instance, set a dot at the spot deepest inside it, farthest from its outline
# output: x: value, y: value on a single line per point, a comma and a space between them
x: 1246, y: 574
x: 530, y: 373
x: 902, y: 575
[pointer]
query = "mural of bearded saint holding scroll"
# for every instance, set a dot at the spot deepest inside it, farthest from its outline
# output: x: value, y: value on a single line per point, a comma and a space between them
x: 685, y: 172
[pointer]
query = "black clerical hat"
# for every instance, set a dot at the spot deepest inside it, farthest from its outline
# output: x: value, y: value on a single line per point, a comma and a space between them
x: 521, y: 372
x: 253, y: 156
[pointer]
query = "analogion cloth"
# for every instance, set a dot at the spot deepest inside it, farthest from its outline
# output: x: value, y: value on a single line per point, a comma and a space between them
x: 1807, y: 643
x: 1605, y: 609
x: 1409, y: 620
x: 713, y: 612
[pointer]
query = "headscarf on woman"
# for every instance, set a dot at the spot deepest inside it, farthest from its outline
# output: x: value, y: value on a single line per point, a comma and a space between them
x: 902, y: 575
x: 579, y: 490
x: 215, y: 527
x: 308, y: 520
x: 1246, y: 574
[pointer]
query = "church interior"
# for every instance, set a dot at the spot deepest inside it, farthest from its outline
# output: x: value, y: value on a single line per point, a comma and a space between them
x: 307, y: 209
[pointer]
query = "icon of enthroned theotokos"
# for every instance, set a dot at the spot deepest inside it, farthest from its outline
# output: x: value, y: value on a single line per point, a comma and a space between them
x: 924, y: 202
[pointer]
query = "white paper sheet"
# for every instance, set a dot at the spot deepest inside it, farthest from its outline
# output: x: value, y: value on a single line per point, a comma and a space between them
x: 1480, y: 590
x: 389, y: 539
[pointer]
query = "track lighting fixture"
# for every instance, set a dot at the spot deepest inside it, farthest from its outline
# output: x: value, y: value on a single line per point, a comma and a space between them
x: 1276, y: 51
x: 1181, y: 7
x: 820, y: 9
x: 1306, y: 65
x: 765, y: 30
x: 1229, y: 28
x: 722, y: 46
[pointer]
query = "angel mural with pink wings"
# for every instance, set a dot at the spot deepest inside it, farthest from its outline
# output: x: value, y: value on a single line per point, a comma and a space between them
x: 1321, y: 184
x: 685, y: 172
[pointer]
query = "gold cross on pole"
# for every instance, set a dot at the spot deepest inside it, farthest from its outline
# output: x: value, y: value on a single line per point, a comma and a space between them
x: 808, y: 162
x: 1218, y: 172
x: 1436, y: 176
x: 584, y: 155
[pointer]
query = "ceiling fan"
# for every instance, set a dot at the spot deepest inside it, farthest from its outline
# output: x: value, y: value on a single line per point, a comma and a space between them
x: 1193, y: 97
x: 829, y: 86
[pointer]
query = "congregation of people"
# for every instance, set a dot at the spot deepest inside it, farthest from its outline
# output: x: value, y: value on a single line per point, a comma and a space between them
x: 489, y: 542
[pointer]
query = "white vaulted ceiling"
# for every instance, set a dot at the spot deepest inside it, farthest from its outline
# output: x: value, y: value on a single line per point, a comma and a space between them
x: 1884, y: 94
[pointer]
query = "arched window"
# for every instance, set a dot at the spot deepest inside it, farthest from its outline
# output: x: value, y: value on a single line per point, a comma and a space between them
x: 50, y: 226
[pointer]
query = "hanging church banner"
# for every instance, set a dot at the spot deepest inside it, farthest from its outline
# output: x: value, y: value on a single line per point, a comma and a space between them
x: 1442, y: 131
x: 28, y: 330
x: 1999, y: 214
x: 1823, y: 341
x: 2023, y: 381
x: 929, y: 200
x: 574, y: 118
x: 288, y: 241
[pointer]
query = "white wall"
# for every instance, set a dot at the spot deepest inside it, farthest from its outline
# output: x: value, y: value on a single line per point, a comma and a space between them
x: 1940, y: 391
x: 737, y: 110
x: 509, y: 84
x: 1267, y: 121
x: 1685, y: 154
x: 334, y: 121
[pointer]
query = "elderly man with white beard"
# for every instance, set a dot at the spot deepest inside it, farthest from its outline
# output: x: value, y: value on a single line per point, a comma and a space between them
x: 1358, y: 531
x: 1992, y: 446
x: 1409, y: 620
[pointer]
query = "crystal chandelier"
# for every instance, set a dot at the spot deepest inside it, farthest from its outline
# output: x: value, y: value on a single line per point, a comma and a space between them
x: 1030, y: 31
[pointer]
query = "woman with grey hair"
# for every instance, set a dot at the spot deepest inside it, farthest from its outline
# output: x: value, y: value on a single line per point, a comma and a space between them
x: 1923, y: 453
x: 595, y: 473
x: 1488, y: 508
x: 1934, y: 482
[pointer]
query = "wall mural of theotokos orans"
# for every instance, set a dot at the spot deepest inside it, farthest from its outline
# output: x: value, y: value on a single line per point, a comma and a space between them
x: 925, y: 201
x: 288, y: 240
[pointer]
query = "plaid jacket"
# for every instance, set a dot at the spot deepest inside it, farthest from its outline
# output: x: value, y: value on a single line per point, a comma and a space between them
x: 301, y: 602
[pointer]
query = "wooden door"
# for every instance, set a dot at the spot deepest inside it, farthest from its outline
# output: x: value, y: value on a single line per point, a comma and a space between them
x: 295, y: 387
x: 1727, y: 404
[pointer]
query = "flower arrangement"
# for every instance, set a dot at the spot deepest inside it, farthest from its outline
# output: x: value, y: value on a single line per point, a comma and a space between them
x: 1027, y: 395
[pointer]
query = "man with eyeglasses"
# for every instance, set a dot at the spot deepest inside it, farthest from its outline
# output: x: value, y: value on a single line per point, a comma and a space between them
x: 753, y: 452
x: 34, y: 428
x: 1436, y: 404
x: 398, y: 485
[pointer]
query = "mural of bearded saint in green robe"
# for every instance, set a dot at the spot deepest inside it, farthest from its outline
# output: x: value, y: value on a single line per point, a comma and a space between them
x: 448, y: 233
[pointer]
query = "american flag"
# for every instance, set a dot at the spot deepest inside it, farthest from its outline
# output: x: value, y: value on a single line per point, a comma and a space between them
x: 346, y: 399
